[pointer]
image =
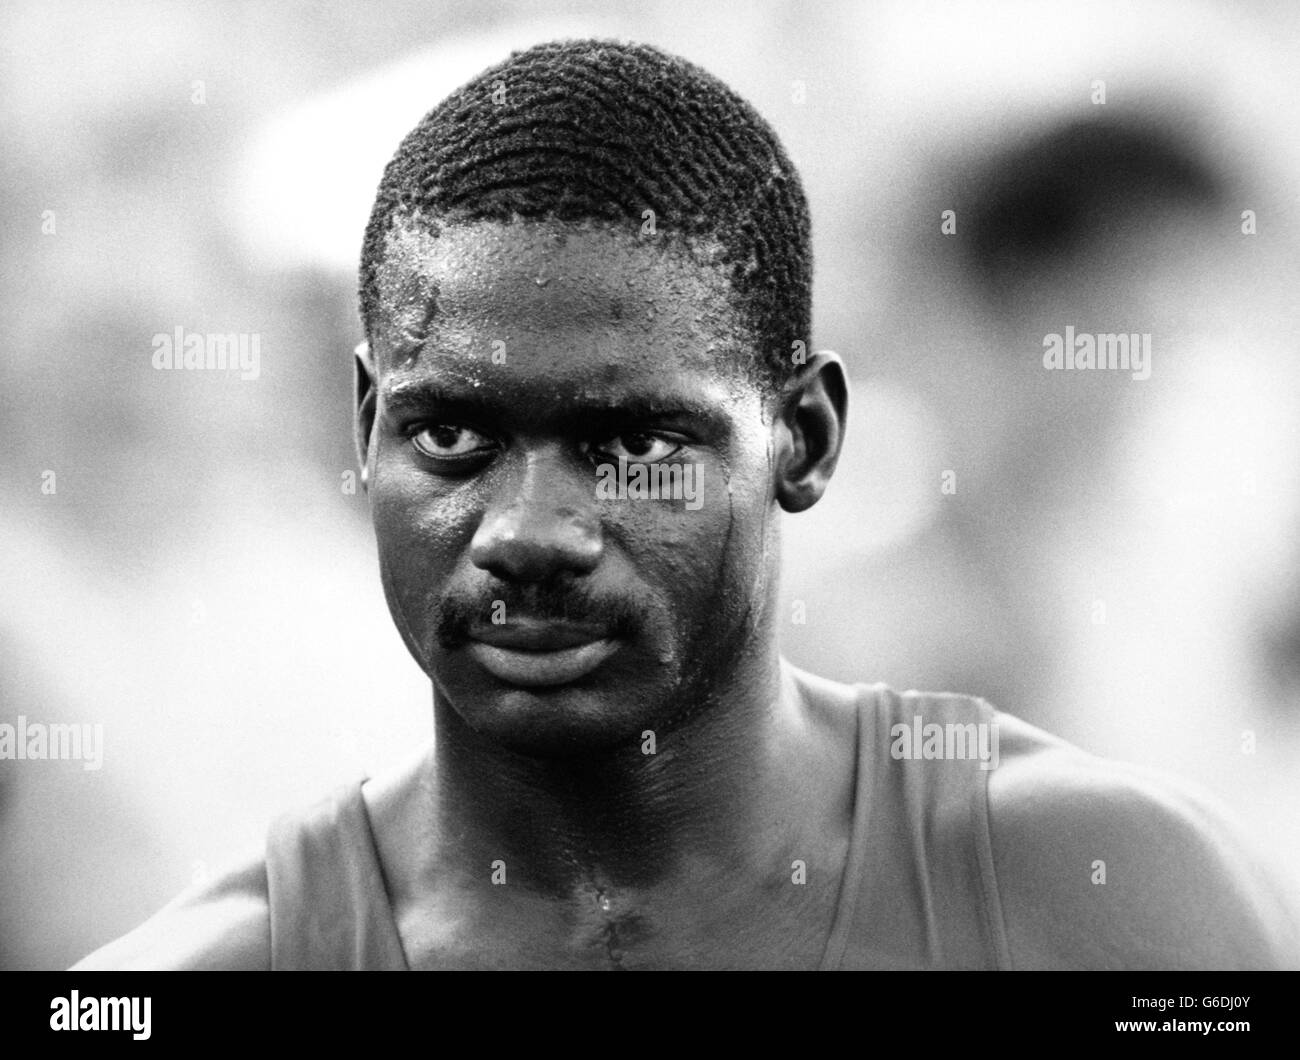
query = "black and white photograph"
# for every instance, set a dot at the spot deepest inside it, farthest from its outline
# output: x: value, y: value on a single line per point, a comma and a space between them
x: 660, y: 486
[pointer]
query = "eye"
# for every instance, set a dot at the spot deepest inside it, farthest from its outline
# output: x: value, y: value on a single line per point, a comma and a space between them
x: 449, y: 441
x: 638, y: 447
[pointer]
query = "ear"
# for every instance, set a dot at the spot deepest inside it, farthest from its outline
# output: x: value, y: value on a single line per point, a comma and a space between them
x: 364, y: 422
x: 810, y: 431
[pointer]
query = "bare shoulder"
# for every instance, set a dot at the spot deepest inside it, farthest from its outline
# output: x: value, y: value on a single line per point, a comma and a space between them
x: 221, y: 924
x: 1105, y: 865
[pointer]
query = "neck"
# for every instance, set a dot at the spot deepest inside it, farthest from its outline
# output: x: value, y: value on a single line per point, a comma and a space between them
x: 626, y: 858
x: 621, y: 817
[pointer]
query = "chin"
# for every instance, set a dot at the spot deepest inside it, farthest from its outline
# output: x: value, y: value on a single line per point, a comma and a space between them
x: 567, y: 721
x: 603, y: 711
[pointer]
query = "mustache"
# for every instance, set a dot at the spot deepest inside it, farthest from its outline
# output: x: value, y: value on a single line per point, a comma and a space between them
x: 459, y: 612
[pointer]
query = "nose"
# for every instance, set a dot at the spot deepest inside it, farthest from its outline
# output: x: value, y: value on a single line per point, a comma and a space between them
x: 538, y: 524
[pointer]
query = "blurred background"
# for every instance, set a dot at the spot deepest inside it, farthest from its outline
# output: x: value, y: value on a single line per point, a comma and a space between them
x: 186, y: 560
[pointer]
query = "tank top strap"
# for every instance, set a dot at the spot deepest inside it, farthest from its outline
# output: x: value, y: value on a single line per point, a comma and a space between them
x: 328, y: 901
x: 919, y: 889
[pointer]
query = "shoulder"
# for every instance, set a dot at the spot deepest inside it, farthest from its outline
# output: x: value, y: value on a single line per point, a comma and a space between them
x: 1105, y: 865
x: 824, y: 702
x: 220, y: 924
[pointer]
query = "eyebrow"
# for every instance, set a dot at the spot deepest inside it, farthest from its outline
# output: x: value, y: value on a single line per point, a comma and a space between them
x: 420, y: 396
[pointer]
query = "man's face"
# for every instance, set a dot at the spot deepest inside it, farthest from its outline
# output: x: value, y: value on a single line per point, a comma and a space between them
x: 516, y: 367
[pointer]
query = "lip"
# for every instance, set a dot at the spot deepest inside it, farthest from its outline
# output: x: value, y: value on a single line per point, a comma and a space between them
x: 539, y: 655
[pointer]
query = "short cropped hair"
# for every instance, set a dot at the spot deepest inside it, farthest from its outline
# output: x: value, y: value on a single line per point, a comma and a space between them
x: 594, y: 130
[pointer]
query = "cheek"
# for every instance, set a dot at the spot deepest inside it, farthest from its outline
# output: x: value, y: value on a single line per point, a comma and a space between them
x: 678, y: 551
x: 698, y: 556
x: 420, y: 532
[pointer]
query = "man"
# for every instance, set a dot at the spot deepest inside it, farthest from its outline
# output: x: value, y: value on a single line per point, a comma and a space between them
x: 585, y: 397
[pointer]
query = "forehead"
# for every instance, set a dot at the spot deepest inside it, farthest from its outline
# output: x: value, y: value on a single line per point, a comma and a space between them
x: 560, y: 302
